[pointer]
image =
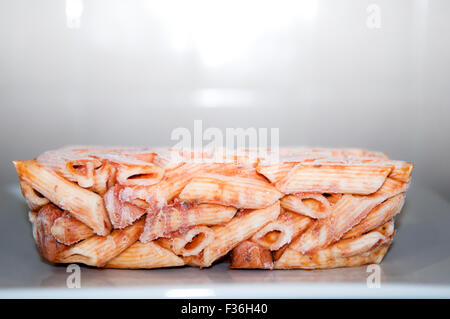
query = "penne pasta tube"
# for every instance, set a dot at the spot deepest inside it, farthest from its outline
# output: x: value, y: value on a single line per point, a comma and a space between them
x: 104, y: 178
x: 131, y: 171
x: 378, y: 216
x: 230, y: 191
x: 281, y: 231
x: 309, y: 204
x: 240, y: 228
x: 179, y: 178
x: 334, y: 178
x: 390, y: 188
x: 355, y: 246
x: 142, y: 155
x: 278, y: 253
x: 292, y: 259
x: 345, y: 214
x: 333, y: 198
x: 74, y: 167
x: 84, y: 205
x: 48, y: 247
x: 181, y: 215
x: 248, y: 157
x: 145, y: 256
x: 276, y: 171
x: 33, y: 199
x: 173, y: 183
x: 190, y: 242
x: 121, y: 213
x: 402, y: 171
x: 316, y: 152
x: 238, y: 170
x: 250, y: 255
x: 98, y: 250
x: 143, y: 175
x: 168, y: 159
x: 68, y: 230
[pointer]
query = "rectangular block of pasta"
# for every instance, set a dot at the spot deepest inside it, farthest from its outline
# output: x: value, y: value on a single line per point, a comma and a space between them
x: 150, y: 208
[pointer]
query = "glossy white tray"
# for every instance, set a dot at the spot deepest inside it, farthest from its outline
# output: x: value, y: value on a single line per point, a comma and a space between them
x: 416, y: 266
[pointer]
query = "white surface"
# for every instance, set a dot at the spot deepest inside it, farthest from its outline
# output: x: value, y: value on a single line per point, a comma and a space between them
x: 308, y: 291
x: 416, y: 266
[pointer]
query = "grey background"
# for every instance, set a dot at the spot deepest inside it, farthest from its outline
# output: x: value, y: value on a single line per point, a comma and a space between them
x: 135, y: 70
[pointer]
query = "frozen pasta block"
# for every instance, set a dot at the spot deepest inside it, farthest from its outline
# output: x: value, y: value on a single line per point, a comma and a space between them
x: 159, y: 207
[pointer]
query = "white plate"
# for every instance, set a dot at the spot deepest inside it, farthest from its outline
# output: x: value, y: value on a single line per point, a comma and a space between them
x: 416, y: 266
